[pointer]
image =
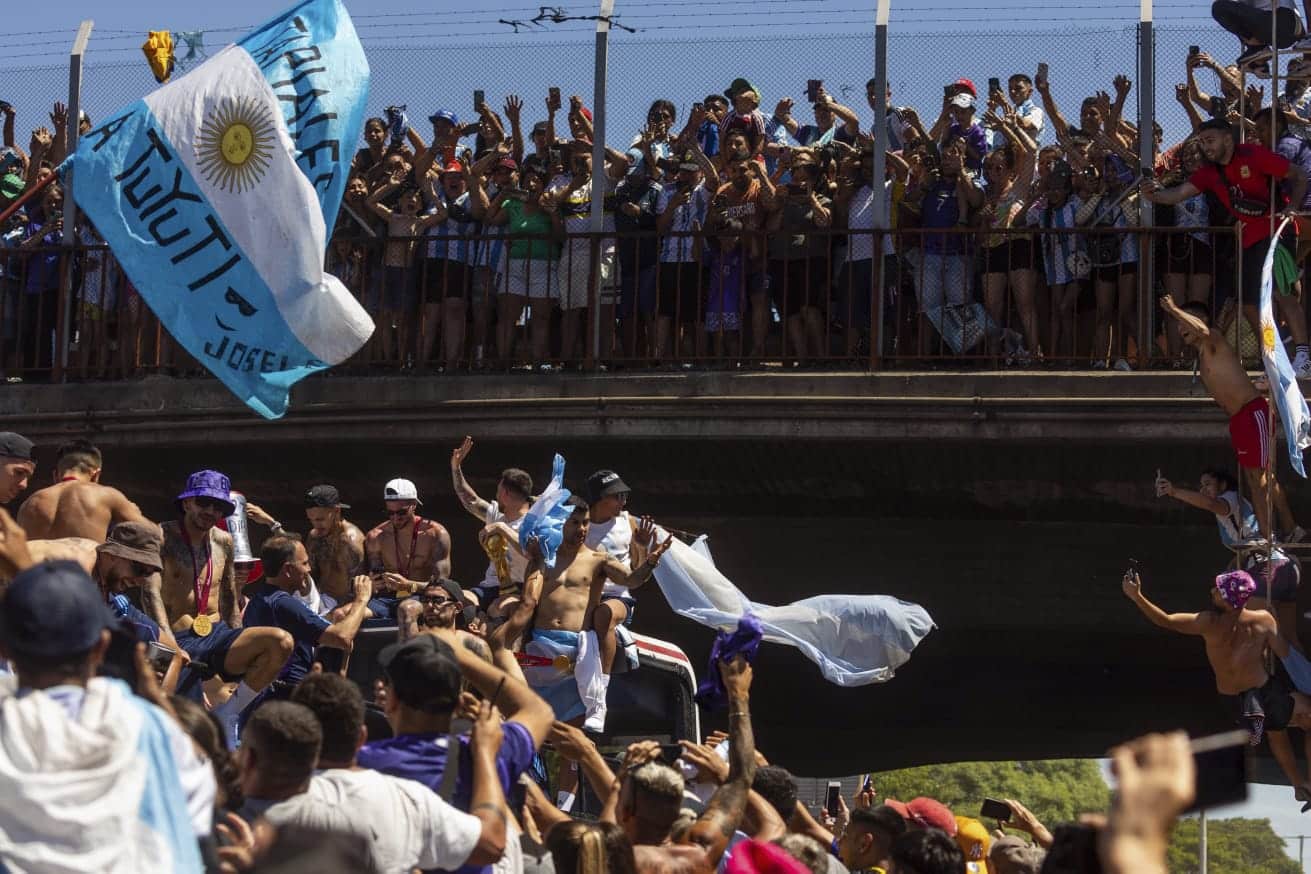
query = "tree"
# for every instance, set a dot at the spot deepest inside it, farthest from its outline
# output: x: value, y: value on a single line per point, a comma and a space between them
x: 1234, y: 846
x: 1056, y: 791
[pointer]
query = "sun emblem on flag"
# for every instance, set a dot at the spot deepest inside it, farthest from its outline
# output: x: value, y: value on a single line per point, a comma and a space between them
x: 235, y: 144
x: 1268, y: 337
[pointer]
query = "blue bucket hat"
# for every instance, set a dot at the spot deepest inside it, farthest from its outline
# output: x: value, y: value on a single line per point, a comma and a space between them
x: 53, y: 609
x: 209, y: 484
x: 444, y: 115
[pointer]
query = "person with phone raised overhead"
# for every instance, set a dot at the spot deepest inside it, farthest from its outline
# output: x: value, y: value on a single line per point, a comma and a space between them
x: 1236, y: 639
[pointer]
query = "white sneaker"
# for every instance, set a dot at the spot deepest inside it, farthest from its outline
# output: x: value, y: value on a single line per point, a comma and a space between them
x: 1122, y: 364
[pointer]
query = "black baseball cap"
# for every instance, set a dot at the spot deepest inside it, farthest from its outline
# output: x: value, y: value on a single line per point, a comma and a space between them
x: 51, y: 610
x: 324, y: 496
x: 602, y: 483
x: 423, y: 673
x: 15, y: 445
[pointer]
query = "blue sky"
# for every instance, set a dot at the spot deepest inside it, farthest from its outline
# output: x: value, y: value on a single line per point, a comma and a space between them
x: 436, y: 54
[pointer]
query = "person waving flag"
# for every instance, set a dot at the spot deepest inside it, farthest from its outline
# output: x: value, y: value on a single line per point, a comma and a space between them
x: 218, y: 193
x: 1284, y: 389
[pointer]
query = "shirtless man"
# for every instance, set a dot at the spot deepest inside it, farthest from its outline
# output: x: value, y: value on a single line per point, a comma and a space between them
x: 77, y: 505
x: 513, y: 497
x: 335, y: 547
x: 404, y: 554
x: 1249, y: 415
x: 1236, y: 639
x: 200, y: 595
x: 16, y: 465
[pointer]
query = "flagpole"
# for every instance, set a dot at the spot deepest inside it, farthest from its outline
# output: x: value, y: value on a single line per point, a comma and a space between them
x: 70, y: 206
x: 28, y: 193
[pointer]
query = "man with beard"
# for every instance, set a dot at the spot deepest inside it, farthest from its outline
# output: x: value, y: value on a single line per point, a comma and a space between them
x: 200, y: 595
x: 335, y: 546
x: 77, y: 505
x: 404, y: 553
x: 16, y: 465
x: 743, y: 199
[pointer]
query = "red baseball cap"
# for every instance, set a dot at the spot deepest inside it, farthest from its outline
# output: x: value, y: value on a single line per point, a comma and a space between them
x: 967, y: 85
x: 931, y: 813
x: 899, y: 806
x: 453, y: 167
x: 587, y: 113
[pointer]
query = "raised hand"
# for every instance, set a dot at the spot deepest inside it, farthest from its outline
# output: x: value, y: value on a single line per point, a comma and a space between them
x: 553, y: 101
x: 1122, y: 85
x: 59, y: 116
x: 645, y: 532
x: 784, y: 108
x: 1164, y: 488
x: 1181, y: 93
x: 513, y: 107
x: 710, y: 767
x: 14, y: 556
x: 486, y: 734
x: 570, y: 741
x: 461, y: 452
x: 653, y: 557
x: 41, y: 140
x: 1131, y: 585
x: 736, y: 675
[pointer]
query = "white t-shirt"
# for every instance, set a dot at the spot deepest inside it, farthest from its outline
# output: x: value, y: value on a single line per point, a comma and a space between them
x: 518, y: 563
x: 405, y: 823
x: 614, y: 538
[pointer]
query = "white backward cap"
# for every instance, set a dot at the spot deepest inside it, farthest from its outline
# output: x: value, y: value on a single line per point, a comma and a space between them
x: 401, y: 490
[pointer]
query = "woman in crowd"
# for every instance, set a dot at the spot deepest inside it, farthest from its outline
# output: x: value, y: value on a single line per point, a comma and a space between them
x: 798, y: 263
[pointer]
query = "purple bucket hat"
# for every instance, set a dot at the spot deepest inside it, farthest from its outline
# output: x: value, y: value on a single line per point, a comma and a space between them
x: 209, y: 484
x: 1236, y: 587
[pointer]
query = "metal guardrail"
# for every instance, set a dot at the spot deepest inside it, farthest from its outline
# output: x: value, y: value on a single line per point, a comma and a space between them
x: 842, y: 300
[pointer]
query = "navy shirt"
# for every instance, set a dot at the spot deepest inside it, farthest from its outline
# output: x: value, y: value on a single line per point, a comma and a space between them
x: 270, y: 606
x: 422, y: 757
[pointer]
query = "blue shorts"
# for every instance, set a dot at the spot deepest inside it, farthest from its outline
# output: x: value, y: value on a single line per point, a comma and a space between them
x: 628, y: 601
x: 385, y: 607
x: 211, y: 650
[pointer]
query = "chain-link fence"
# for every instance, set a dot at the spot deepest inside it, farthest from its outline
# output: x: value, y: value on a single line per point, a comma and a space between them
x: 1082, y: 61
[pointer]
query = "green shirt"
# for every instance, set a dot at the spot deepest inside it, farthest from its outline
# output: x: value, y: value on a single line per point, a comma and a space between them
x: 523, y: 222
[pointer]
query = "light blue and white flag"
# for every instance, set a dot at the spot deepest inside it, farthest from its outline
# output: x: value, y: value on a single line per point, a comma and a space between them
x: 1284, y: 389
x: 218, y: 192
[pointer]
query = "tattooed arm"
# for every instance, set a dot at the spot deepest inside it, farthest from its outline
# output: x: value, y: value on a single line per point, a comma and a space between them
x: 469, y: 499
x: 713, y: 830
x: 227, y: 593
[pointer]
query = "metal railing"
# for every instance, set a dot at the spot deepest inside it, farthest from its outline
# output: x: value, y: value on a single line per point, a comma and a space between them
x: 955, y: 298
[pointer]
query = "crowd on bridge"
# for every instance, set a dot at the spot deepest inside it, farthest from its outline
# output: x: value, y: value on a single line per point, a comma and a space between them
x: 739, y: 229
x: 171, y: 701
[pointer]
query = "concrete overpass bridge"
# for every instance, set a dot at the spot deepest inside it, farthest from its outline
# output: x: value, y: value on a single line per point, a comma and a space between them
x: 1007, y: 504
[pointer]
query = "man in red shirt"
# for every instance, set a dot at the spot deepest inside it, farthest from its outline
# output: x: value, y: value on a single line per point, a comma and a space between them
x: 1242, y: 176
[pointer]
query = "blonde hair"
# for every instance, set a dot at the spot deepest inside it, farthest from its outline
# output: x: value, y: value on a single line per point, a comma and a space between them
x: 590, y: 848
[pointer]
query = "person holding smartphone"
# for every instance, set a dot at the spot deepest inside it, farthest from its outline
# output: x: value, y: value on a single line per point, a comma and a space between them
x: 798, y: 259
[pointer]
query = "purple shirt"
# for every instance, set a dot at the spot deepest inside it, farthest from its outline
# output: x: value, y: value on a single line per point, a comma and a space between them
x: 422, y: 758
x: 976, y: 138
x: 941, y: 209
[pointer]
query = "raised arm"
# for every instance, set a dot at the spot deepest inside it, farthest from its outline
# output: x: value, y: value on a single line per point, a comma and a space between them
x: 1184, y: 318
x: 469, y: 499
x: 619, y: 574
x: 341, y: 634
x: 1043, y: 86
x: 488, y: 800
x: 513, y: 109
x: 1183, y: 623
x: 1167, y: 489
x: 715, y: 827
x: 515, y: 699
x: 1152, y: 193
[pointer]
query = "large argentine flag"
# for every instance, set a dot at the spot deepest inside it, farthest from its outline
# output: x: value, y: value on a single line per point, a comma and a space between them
x: 218, y: 192
x: 1284, y: 389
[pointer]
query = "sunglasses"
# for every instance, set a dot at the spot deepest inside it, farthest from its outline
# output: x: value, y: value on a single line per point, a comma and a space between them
x: 141, y: 570
x: 212, y: 504
x: 397, y: 513
x: 436, y: 599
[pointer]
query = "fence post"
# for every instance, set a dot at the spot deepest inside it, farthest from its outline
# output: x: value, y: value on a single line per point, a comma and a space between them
x: 881, y: 217
x: 1147, y: 158
x: 70, y: 205
x: 599, y: 178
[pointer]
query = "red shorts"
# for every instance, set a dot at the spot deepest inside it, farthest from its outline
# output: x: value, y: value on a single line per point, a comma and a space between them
x: 1249, y: 431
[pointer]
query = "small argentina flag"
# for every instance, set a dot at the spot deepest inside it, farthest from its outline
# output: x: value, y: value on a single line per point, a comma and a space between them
x: 1285, y: 391
x: 218, y: 192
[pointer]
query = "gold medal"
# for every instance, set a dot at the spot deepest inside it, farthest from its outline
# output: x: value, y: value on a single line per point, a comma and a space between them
x: 202, y: 626
x: 404, y: 591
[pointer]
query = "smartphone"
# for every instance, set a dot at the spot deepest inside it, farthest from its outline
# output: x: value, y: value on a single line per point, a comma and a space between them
x: 159, y: 656
x: 1042, y: 71
x: 1221, y: 764
x: 812, y: 89
x: 478, y: 100
x: 994, y: 84
x: 1133, y: 567
x: 5, y: 106
x: 832, y: 798
x: 946, y: 90
x: 671, y: 752
x: 1194, y: 50
x: 555, y: 96
x: 698, y: 106
x: 994, y: 809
